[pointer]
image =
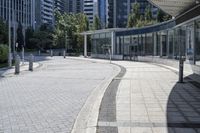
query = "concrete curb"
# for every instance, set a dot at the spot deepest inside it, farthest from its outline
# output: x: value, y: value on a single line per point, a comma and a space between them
x: 87, y: 119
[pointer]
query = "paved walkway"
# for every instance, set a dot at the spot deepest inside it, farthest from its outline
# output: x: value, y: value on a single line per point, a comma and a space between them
x: 149, y: 100
x: 49, y: 99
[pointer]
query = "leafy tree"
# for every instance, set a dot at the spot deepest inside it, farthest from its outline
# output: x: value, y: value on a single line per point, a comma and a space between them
x: 134, y: 15
x: 96, y: 23
x: 136, y: 19
x: 3, y: 32
x: 67, y: 29
x: 131, y: 21
x: 136, y: 10
x: 160, y: 16
x: 29, y: 34
x: 43, y: 38
x: 20, y: 36
x: 83, y: 26
x: 3, y: 53
x: 148, y: 13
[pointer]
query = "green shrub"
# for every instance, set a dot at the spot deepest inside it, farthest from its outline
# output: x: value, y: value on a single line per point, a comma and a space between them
x: 3, y: 53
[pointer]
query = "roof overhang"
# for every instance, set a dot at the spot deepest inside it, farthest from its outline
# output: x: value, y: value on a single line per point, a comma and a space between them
x: 102, y: 31
x: 174, y: 7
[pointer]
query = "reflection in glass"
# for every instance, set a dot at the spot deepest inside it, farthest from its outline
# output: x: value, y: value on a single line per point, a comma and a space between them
x: 140, y: 45
x: 126, y: 44
x: 190, y: 43
x: 101, y: 43
x: 164, y: 43
x: 176, y: 43
x: 171, y: 43
x: 149, y: 44
x: 198, y: 43
x: 158, y: 44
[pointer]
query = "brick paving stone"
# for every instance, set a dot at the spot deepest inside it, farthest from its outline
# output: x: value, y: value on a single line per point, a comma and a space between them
x: 50, y: 98
x: 149, y: 100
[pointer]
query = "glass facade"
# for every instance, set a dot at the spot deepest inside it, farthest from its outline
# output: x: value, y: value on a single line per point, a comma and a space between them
x: 197, y: 47
x: 101, y: 43
x: 170, y: 42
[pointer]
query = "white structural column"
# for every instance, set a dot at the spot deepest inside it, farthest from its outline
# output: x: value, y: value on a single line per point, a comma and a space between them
x: 168, y: 54
x: 155, y: 43
x: 85, y: 45
x: 161, y: 45
x: 112, y: 42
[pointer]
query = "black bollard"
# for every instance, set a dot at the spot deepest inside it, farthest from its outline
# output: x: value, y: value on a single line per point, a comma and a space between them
x: 181, y: 69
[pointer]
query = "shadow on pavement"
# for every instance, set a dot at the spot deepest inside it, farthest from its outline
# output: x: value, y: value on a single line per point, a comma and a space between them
x: 39, y: 58
x: 183, y: 107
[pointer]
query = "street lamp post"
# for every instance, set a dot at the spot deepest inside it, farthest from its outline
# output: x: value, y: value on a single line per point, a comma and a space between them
x: 9, y: 36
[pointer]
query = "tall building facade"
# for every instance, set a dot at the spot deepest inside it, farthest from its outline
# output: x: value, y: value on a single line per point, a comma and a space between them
x: 118, y: 11
x: 22, y: 11
x: 90, y: 9
x: 15, y: 12
x: 103, y: 12
x: 60, y: 5
x: 74, y: 6
x: 44, y: 12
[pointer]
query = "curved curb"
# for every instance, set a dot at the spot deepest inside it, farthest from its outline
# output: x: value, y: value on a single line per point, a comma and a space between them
x: 87, y: 119
x: 107, y: 111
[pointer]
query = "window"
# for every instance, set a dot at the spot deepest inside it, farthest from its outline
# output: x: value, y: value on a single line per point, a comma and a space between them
x: 197, y: 43
x: 149, y: 44
x: 171, y: 43
x: 190, y: 42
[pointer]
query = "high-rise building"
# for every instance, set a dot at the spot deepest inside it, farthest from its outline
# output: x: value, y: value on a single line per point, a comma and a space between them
x: 15, y: 12
x: 90, y: 9
x: 60, y: 5
x: 22, y: 11
x: 118, y: 11
x: 74, y: 6
x: 103, y: 12
x: 44, y: 12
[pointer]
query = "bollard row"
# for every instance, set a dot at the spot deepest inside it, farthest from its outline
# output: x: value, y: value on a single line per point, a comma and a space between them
x: 18, y: 60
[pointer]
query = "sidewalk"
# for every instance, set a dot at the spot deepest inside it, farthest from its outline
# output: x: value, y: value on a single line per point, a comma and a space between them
x: 149, y: 100
x: 23, y: 67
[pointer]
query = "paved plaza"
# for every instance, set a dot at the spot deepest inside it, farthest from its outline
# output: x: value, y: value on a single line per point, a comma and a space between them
x: 94, y: 96
x: 149, y: 100
x: 49, y: 99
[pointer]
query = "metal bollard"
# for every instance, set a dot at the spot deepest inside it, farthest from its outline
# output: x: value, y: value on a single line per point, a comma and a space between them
x: 39, y: 52
x: 51, y: 52
x: 17, y: 64
x: 64, y: 54
x: 181, y: 69
x: 31, y: 60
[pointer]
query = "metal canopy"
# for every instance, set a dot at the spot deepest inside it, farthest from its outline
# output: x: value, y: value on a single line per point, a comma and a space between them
x: 102, y: 31
x: 173, y: 7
